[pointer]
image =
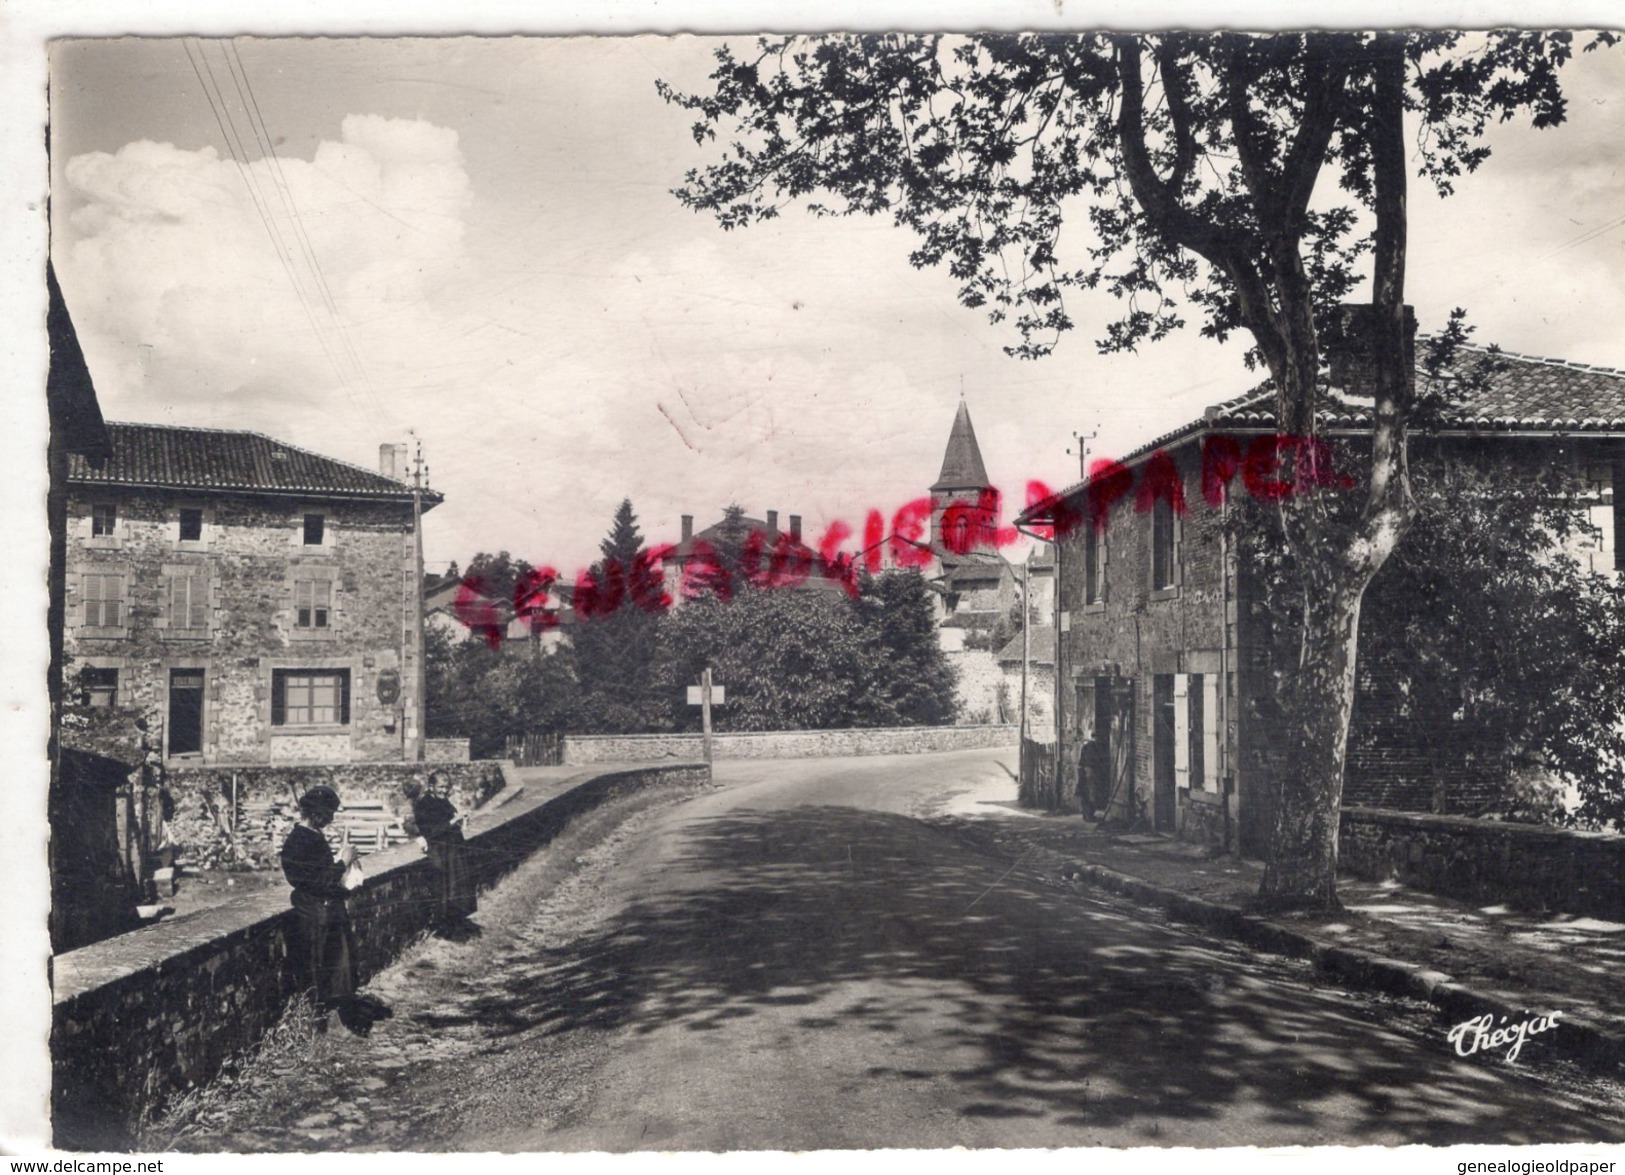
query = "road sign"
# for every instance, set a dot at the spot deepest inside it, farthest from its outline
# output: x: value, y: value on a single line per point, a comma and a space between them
x: 696, y: 695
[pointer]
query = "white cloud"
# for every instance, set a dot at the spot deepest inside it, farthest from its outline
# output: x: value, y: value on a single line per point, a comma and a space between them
x: 187, y: 312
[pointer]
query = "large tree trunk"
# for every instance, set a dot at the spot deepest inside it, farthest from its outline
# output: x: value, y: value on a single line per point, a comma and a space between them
x: 1318, y: 699
x: 1337, y: 565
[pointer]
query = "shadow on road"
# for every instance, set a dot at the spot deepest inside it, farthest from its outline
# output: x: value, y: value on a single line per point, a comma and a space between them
x: 1075, y: 1012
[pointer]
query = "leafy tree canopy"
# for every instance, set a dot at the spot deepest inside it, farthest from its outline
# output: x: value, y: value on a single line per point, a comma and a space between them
x: 1181, y: 172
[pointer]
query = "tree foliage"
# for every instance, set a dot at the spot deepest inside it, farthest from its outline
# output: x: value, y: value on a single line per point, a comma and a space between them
x: 800, y: 660
x: 494, y: 576
x: 1183, y: 173
x: 617, y: 639
x: 486, y: 695
x: 1491, y: 630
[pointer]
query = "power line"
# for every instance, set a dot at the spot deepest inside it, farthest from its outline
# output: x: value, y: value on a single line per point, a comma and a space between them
x: 256, y: 118
x: 307, y: 278
x: 239, y: 156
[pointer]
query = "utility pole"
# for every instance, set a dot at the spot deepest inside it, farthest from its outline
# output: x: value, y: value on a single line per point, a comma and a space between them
x: 420, y: 675
x: 1026, y: 636
x: 705, y: 711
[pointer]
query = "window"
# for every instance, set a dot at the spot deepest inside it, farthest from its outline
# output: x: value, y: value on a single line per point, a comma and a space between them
x: 104, y: 599
x: 191, y: 524
x: 312, y: 602
x: 103, y: 520
x: 310, y: 697
x: 99, y: 687
x: 186, y: 709
x: 1094, y: 565
x: 1196, y: 730
x: 189, y: 601
x: 1162, y: 545
x: 315, y: 528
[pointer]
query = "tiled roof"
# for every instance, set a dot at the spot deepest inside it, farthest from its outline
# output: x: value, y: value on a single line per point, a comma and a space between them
x: 1528, y: 394
x: 1040, y: 652
x: 174, y: 456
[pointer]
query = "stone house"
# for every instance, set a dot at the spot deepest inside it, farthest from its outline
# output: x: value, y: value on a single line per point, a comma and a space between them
x: 257, y: 602
x: 1162, y: 687
x: 456, y: 609
x: 780, y: 555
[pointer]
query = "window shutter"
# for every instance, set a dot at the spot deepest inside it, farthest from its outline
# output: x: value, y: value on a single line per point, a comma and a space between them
x: 112, y: 599
x: 198, y: 602
x: 344, y: 697
x: 91, y: 585
x: 1182, y: 730
x: 279, y: 699
x: 1210, y: 731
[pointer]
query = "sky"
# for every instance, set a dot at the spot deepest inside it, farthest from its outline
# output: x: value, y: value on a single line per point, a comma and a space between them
x: 487, y: 257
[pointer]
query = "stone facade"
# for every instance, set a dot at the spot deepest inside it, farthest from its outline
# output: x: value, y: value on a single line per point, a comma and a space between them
x: 785, y: 744
x: 249, y: 628
x: 1149, y: 685
x: 1164, y: 686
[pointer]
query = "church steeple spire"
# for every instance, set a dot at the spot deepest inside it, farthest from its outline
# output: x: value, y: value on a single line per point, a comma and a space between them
x: 962, y: 467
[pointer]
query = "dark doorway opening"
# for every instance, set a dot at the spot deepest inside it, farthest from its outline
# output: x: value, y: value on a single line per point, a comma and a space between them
x: 185, y: 711
x: 1162, y: 752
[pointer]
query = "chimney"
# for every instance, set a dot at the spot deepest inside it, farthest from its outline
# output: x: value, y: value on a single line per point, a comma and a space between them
x: 688, y: 527
x: 795, y: 527
x: 772, y: 524
x: 392, y: 461
x: 1348, y: 349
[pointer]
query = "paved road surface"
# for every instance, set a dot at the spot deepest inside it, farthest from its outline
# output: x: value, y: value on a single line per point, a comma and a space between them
x: 801, y: 960
x: 796, y: 961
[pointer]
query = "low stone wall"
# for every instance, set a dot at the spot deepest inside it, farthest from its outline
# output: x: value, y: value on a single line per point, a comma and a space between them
x: 785, y: 744
x: 146, y: 1015
x: 472, y: 783
x: 202, y: 797
x: 1524, y: 865
x: 446, y: 750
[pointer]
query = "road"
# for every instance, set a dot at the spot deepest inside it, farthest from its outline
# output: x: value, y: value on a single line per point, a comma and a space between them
x: 799, y: 959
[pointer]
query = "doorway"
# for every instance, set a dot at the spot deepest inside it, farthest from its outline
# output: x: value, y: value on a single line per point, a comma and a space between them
x: 186, y: 711
x: 1114, y: 740
x: 1162, y: 752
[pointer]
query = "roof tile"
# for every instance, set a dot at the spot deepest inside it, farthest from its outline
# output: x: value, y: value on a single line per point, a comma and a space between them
x: 174, y: 456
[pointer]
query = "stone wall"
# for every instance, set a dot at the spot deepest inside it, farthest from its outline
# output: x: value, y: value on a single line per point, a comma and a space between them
x: 1526, y: 865
x: 978, y: 681
x: 244, y: 626
x: 203, y: 795
x: 142, y: 1017
x: 446, y: 750
x: 1135, y: 632
x: 786, y: 744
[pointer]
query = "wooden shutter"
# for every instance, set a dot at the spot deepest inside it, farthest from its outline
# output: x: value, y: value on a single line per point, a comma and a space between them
x: 1182, y: 730
x: 344, y: 696
x: 1210, y: 731
x: 279, y: 697
x: 197, y: 615
x: 91, y: 587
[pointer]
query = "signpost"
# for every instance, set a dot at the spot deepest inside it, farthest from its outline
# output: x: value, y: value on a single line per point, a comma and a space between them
x: 705, y: 695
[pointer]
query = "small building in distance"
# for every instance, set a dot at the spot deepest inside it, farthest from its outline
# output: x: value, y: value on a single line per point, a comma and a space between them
x: 255, y: 601
x: 781, y: 554
x: 456, y: 607
x: 977, y: 588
